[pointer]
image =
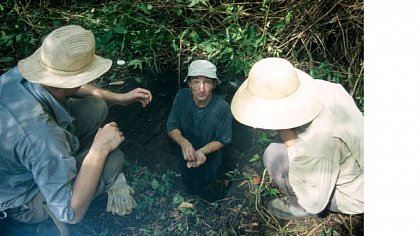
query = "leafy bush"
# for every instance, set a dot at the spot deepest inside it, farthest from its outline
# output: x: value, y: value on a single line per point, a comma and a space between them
x: 158, y: 35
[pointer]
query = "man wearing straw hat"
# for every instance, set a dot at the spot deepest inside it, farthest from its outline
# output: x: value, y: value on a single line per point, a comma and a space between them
x: 318, y: 163
x: 55, y: 155
x: 201, y: 124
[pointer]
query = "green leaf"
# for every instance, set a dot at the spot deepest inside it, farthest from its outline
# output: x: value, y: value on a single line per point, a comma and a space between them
x: 119, y: 29
x: 288, y: 17
x: 177, y: 199
x: 255, y: 158
x: 104, y: 38
x: 263, y: 139
x: 145, y: 8
x: 135, y: 63
x: 155, y: 184
x: 6, y: 59
x: 178, y: 11
x: 138, y: 79
x: 229, y: 8
x: 5, y: 39
x: 193, y: 3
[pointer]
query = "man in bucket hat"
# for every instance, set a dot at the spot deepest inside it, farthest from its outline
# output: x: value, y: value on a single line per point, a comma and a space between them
x: 319, y: 162
x: 201, y: 124
x: 55, y: 155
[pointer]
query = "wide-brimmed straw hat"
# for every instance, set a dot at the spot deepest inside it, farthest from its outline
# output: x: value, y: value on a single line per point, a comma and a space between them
x: 276, y: 95
x: 66, y: 59
x: 203, y: 68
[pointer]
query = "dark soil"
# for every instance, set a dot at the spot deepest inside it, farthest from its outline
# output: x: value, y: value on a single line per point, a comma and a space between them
x: 234, y: 208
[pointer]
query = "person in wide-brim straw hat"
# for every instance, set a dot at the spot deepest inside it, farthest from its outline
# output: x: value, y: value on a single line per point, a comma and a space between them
x: 318, y: 161
x: 275, y: 88
x: 62, y: 63
x: 59, y: 155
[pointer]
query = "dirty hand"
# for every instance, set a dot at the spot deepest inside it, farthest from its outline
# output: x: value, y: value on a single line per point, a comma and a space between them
x: 188, y: 151
x: 200, y: 158
x: 120, y: 200
x: 108, y: 138
x: 141, y: 95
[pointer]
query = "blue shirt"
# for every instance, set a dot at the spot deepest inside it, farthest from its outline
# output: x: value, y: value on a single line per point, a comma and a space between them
x: 200, y: 125
x: 37, y: 146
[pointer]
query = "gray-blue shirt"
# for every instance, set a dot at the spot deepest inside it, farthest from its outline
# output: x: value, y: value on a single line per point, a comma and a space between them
x: 37, y: 146
x: 200, y: 125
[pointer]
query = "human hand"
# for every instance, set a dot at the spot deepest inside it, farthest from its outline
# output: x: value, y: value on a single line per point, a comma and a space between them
x: 120, y: 199
x: 188, y: 151
x: 199, y: 159
x: 108, y: 138
x: 136, y: 95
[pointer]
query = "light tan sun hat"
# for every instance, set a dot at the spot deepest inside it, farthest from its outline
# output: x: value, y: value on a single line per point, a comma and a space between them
x: 203, y: 68
x: 276, y: 95
x: 66, y: 59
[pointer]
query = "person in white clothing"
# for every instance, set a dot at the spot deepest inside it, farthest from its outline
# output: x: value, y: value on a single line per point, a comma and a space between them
x: 318, y: 163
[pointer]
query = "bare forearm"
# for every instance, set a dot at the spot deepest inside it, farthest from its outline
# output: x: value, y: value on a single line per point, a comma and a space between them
x: 177, y: 137
x: 86, y: 182
x: 211, y: 147
x: 90, y: 90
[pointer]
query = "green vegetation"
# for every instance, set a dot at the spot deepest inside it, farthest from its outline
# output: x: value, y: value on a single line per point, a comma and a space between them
x: 325, y: 39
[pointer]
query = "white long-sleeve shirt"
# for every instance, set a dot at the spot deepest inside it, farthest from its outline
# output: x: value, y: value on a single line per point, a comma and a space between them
x: 328, y: 155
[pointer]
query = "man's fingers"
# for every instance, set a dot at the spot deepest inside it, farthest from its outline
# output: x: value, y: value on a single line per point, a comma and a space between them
x: 193, y: 164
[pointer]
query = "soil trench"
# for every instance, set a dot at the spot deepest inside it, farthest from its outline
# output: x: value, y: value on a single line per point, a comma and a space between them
x: 151, y: 169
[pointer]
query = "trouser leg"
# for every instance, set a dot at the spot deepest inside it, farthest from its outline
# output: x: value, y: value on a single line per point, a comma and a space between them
x: 90, y: 114
x: 276, y: 161
x: 32, y: 212
x: 32, y: 219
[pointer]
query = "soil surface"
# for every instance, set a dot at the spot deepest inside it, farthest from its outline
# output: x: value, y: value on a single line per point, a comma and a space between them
x: 165, y: 208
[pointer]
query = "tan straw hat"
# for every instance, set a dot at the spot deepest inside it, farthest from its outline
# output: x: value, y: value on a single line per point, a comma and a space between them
x: 276, y: 95
x: 66, y: 59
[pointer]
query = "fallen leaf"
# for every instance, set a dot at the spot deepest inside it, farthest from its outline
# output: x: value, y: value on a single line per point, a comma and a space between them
x: 185, y: 205
x: 256, y: 179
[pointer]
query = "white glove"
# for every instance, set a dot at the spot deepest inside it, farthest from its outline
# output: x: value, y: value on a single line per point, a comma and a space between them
x: 120, y: 200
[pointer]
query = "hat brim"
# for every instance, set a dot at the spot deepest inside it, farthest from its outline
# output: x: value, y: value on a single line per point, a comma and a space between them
x: 34, y: 71
x: 295, y: 110
x: 216, y: 79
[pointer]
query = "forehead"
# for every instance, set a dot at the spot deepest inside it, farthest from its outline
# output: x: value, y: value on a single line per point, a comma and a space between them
x: 200, y: 78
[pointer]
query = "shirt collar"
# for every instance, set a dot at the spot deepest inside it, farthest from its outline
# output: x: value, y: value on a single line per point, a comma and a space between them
x: 55, y: 108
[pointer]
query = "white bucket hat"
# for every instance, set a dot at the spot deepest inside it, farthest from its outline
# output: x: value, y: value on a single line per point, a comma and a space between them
x: 276, y: 95
x: 203, y: 68
x: 66, y: 59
